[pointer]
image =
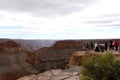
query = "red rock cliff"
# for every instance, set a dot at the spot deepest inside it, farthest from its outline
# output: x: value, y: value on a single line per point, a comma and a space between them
x: 56, y: 56
x: 9, y: 44
x: 13, y: 61
x: 68, y: 44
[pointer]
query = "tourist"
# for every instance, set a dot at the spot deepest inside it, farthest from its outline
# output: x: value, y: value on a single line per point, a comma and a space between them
x: 102, y: 47
x: 87, y: 46
x: 91, y: 45
x: 111, y: 46
x: 106, y: 46
x: 97, y: 48
x: 116, y: 44
x: 119, y: 47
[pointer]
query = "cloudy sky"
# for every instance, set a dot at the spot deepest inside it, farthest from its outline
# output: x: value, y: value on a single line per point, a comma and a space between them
x: 59, y: 19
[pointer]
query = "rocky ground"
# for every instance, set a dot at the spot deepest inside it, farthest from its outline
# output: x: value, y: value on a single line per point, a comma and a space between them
x: 57, y: 74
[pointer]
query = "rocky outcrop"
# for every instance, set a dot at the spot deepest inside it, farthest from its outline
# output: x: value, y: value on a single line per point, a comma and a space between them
x: 9, y: 44
x: 56, y: 74
x: 69, y: 44
x: 76, y: 58
x: 13, y: 61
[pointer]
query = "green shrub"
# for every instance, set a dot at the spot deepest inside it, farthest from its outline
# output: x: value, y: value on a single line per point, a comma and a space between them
x: 100, y: 67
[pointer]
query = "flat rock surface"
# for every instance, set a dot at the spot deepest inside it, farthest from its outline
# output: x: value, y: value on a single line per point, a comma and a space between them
x: 57, y: 74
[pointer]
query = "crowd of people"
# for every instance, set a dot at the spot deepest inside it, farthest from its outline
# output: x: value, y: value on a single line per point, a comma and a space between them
x: 104, y: 46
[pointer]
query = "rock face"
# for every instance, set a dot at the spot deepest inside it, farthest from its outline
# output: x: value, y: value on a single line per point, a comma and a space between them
x: 69, y: 44
x: 56, y: 56
x: 9, y: 44
x: 56, y: 74
x: 75, y: 59
x: 32, y: 45
x: 13, y: 61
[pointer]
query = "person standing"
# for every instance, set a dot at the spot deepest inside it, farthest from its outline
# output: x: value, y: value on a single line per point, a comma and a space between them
x: 106, y: 46
x: 111, y: 46
x: 119, y: 47
x: 102, y: 47
x: 87, y: 46
x: 116, y: 44
x: 97, y: 49
x: 91, y: 45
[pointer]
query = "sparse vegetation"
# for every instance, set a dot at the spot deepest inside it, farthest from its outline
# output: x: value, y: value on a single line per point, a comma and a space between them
x: 100, y: 67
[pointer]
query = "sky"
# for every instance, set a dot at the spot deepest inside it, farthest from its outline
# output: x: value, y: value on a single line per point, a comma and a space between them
x: 59, y: 19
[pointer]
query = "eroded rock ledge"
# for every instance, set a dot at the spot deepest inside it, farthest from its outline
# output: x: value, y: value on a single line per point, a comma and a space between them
x: 56, y: 74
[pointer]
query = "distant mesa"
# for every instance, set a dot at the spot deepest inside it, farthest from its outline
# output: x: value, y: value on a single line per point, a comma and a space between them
x: 68, y: 44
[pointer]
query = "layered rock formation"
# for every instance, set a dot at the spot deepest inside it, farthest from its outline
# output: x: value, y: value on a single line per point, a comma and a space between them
x: 56, y: 74
x: 69, y: 44
x: 9, y: 44
x: 32, y: 45
x: 56, y: 56
x: 76, y: 58
x: 13, y: 61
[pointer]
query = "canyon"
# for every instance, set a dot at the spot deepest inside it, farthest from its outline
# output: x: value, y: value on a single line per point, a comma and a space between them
x: 18, y: 59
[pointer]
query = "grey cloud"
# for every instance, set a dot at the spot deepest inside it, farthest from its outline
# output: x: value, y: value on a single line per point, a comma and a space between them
x: 114, y: 26
x: 45, y: 7
x: 108, y: 20
x: 110, y: 15
x: 99, y: 21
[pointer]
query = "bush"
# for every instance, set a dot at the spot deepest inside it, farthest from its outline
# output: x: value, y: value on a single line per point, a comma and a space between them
x: 100, y: 67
